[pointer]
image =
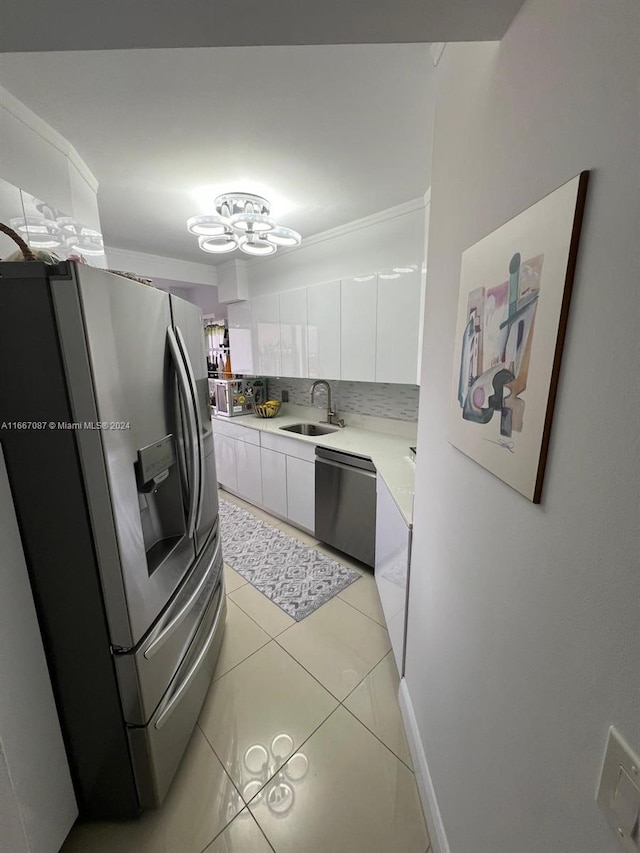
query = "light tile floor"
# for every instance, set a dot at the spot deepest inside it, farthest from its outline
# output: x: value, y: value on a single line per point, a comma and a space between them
x: 300, y: 746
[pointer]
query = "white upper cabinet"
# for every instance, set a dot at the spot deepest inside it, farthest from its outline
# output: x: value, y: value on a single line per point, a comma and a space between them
x: 293, y: 333
x: 266, y: 333
x: 398, y: 325
x: 364, y: 329
x: 358, y: 298
x: 241, y: 337
x: 323, y: 321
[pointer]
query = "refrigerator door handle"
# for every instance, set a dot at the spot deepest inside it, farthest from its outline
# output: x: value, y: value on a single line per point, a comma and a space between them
x: 178, y: 693
x: 177, y: 619
x: 185, y: 393
x: 194, y: 392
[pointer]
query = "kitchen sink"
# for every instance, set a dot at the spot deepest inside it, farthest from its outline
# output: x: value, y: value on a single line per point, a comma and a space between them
x: 310, y: 429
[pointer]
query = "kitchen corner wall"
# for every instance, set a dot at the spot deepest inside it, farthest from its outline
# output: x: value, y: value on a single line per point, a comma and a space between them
x: 375, y: 399
x: 523, y: 629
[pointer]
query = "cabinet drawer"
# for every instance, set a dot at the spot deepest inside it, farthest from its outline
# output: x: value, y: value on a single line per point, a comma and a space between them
x: 290, y: 446
x: 242, y: 433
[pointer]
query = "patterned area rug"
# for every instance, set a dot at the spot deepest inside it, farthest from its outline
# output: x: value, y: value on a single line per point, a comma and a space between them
x: 296, y: 578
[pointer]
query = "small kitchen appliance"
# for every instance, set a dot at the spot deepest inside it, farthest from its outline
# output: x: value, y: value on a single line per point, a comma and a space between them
x: 233, y: 397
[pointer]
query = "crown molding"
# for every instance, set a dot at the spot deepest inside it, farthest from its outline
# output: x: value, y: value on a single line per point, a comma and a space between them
x: 22, y: 113
x: 355, y: 225
x: 157, y: 266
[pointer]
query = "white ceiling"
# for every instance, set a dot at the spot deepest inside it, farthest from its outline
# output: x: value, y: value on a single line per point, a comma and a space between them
x: 329, y: 133
x: 95, y: 24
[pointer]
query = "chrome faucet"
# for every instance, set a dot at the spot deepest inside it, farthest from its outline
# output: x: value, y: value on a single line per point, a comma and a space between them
x: 331, y: 414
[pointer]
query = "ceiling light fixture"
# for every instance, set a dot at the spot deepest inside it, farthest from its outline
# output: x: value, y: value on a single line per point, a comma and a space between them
x: 241, y: 221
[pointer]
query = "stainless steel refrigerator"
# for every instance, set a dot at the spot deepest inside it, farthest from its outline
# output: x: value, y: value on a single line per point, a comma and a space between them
x: 106, y: 429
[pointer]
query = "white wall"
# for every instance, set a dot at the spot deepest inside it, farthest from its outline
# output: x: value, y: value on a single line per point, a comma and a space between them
x: 36, y: 158
x: 156, y: 266
x: 394, y: 237
x: 203, y: 295
x: 523, y: 633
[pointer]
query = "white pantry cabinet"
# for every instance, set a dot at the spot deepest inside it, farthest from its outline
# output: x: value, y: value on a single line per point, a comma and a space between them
x: 248, y: 472
x: 293, y: 333
x: 241, y: 337
x: 393, y: 545
x: 398, y: 326
x: 274, y: 481
x: 358, y: 301
x: 301, y: 493
x: 265, y: 312
x: 323, y: 322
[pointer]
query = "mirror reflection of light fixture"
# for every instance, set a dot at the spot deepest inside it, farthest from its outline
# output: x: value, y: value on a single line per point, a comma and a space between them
x: 63, y: 232
x: 274, y: 786
x: 242, y: 221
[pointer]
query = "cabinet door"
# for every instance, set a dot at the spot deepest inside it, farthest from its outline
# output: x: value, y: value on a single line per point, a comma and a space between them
x: 293, y: 333
x: 274, y: 481
x: 392, y: 566
x: 225, y: 450
x: 301, y: 499
x: 241, y: 337
x: 398, y: 326
x: 248, y: 468
x: 358, y: 328
x: 265, y: 312
x: 323, y: 330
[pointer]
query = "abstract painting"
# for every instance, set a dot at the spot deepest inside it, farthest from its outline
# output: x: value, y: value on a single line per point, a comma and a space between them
x: 515, y: 286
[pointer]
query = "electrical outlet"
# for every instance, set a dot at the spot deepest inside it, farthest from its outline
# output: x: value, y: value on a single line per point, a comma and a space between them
x: 619, y: 790
x: 285, y: 396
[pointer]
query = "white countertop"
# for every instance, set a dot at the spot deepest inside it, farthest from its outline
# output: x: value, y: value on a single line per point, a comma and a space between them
x: 389, y: 452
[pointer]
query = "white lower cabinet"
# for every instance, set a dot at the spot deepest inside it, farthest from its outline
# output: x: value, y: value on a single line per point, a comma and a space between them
x: 225, y: 450
x: 248, y: 472
x: 274, y: 481
x: 301, y: 493
x: 393, y: 541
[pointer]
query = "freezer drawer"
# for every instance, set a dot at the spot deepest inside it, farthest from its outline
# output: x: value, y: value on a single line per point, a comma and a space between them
x: 145, y: 672
x: 158, y: 747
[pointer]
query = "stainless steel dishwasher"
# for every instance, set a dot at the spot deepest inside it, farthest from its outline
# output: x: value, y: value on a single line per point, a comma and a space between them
x: 346, y: 503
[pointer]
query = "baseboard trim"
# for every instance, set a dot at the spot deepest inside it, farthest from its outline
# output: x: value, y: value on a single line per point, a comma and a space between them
x: 437, y: 834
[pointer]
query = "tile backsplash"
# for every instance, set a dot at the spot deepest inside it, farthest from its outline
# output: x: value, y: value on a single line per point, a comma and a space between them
x: 376, y: 399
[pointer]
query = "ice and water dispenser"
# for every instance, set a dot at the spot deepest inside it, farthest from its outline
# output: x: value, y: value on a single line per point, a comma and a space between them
x: 160, y: 500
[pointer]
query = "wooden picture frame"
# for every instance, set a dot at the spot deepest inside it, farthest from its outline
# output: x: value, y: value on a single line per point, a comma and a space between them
x: 515, y: 290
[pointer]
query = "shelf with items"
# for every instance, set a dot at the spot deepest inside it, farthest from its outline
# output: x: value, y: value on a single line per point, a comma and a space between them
x: 216, y: 334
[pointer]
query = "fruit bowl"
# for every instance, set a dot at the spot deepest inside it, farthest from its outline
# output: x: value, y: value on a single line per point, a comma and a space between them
x: 268, y: 410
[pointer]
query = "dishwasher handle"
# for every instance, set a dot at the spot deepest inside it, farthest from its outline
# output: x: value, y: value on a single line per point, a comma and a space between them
x: 346, y: 460
x: 344, y: 467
